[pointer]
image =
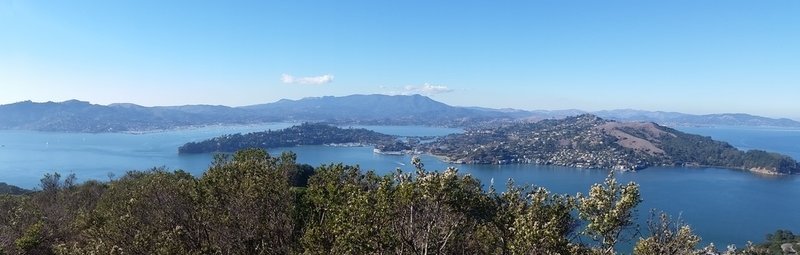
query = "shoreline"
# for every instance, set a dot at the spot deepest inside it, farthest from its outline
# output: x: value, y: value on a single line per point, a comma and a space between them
x: 758, y: 171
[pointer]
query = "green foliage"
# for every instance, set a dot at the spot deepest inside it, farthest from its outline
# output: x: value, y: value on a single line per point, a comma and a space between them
x: 346, y: 214
x: 780, y: 242
x: 299, y: 176
x: 667, y: 237
x: 762, y: 159
x: 438, y: 212
x: 18, y: 215
x: 242, y: 205
x: 141, y: 213
x: 536, y: 221
x: 609, y: 210
x: 31, y: 238
x: 246, y: 204
x: 698, y: 150
x: 431, y: 212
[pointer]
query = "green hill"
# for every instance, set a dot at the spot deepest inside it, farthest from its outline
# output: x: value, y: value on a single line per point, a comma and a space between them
x: 587, y: 141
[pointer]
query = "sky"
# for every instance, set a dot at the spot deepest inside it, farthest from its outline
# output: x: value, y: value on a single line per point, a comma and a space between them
x: 709, y: 56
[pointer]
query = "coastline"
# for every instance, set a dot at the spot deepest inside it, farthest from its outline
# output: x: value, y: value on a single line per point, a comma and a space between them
x: 756, y: 170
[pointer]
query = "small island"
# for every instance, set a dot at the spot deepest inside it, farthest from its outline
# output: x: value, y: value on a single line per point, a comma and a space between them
x: 584, y: 141
x: 304, y: 134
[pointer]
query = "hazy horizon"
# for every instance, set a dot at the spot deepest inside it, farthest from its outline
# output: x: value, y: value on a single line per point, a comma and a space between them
x: 677, y: 56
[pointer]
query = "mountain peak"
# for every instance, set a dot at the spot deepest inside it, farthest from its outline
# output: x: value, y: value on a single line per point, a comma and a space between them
x: 75, y: 102
x: 125, y: 105
x: 373, y: 109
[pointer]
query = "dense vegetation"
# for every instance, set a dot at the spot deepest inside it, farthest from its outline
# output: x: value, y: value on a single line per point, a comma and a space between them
x: 253, y: 203
x: 591, y: 142
x: 689, y: 149
x: 304, y: 134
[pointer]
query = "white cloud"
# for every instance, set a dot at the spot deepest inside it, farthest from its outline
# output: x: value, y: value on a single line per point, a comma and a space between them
x: 426, y: 89
x: 310, y: 80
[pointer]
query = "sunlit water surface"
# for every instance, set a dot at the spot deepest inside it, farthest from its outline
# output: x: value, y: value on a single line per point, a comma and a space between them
x: 722, y: 205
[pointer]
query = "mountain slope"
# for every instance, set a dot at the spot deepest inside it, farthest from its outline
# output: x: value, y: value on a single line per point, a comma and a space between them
x: 79, y: 116
x: 374, y: 109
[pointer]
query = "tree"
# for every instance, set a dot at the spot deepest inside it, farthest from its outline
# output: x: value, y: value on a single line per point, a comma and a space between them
x: 542, y: 223
x: 609, y: 210
x: 347, y: 212
x: 151, y: 212
x: 298, y: 177
x: 424, y: 213
x: 782, y: 241
x: 438, y: 212
x: 31, y: 240
x: 18, y: 220
x: 667, y: 237
x: 245, y: 203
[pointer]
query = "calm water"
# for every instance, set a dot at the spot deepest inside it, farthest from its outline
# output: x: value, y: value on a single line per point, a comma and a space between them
x: 786, y: 141
x: 724, y: 206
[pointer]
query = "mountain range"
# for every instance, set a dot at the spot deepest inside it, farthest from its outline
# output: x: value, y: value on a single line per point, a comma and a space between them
x: 80, y: 116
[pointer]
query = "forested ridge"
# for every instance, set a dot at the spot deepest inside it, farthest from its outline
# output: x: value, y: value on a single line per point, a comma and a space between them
x: 253, y: 203
x: 303, y: 134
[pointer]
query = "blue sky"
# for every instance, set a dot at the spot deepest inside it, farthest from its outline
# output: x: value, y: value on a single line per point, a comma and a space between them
x: 689, y: 56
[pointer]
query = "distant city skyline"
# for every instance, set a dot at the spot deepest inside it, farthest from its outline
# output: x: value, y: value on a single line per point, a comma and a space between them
x: 696, y: 57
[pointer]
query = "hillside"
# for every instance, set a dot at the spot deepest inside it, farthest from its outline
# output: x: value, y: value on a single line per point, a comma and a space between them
x: 588, y: 141
x: 79, y: 116
x: 376, y: 109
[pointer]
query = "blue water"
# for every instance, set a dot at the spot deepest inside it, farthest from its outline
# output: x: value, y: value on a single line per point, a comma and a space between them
x: 722, y: 205
x: 25, y: 156
x: 785, y: 141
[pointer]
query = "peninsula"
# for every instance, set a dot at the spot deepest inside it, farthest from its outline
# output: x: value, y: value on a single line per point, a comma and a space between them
x: 587, y: 141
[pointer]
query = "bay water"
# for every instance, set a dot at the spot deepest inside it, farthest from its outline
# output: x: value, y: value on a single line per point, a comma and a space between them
x: 722, y: 205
